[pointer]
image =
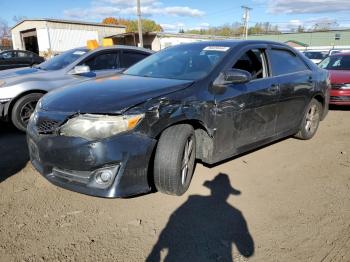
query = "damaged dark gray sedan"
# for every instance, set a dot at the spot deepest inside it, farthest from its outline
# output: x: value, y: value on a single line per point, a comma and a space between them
x: 123, y: 135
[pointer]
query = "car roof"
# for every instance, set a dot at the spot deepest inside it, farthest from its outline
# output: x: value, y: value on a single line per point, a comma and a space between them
x: 123, y: 47
x: 341, y: 54
x: 233, y: 43
x: 314, y: 51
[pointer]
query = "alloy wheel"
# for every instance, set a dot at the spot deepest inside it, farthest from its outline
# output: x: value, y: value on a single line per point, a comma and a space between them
x: 26, y: 111
x: 312, y: 119
x: 186, y: 159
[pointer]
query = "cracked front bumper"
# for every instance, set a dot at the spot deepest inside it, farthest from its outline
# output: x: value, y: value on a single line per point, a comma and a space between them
x: 78, y: 160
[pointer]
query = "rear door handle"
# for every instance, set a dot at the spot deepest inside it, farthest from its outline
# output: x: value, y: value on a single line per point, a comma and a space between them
x: 274, y: 88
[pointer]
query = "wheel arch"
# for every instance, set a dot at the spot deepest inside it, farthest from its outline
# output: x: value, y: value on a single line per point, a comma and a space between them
x: 205, y: 142
x: 322, y: 100
x: 14, y: 101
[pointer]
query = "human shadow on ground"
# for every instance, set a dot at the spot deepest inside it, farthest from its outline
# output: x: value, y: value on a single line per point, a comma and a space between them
x: 13, y: 151
x: 205, y: 228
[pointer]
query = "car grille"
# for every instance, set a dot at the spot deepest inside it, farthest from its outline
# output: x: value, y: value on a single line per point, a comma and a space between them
x: 340, y: 98
x: 47, y: 126
x: 337, y: 86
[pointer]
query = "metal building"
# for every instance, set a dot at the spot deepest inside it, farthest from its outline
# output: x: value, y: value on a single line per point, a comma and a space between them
x: 51, y: 36
x: 157, y: 40
x: 331, y: 39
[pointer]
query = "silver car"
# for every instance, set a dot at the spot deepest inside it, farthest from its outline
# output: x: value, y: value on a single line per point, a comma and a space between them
x: 20, y: 89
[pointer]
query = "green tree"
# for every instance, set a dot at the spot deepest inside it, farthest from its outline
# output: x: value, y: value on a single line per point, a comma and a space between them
x: 131, y: 25
x: 300, y: 29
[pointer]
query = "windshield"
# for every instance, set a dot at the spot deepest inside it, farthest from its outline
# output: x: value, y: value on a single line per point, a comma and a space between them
x: 62, y: 60
x: 183, y: 62
x: 336, y: 62
x: 316, y: 55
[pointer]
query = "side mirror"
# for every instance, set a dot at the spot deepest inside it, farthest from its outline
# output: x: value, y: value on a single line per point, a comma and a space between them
x: 237, y: 76
x: 231, y: 76
x: 78, y: 70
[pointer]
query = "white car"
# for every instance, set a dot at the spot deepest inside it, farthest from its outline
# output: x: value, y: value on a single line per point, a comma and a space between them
x: 316, y: 56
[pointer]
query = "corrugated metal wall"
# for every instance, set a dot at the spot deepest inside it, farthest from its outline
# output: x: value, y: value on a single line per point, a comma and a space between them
x: 62, y: 36
x: 65, y: 39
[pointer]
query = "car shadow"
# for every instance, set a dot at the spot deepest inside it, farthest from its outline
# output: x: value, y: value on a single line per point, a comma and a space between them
x: 205, y: 228
x: 13, y: 151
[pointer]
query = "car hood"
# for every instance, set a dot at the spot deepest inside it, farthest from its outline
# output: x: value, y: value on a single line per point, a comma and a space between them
x: 18, y: 72
x: 109, y: 94
x: 339, y: 76
x: 18, y: 75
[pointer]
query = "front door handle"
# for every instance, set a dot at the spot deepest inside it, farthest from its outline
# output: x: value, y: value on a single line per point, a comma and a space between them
x: 273, y: 88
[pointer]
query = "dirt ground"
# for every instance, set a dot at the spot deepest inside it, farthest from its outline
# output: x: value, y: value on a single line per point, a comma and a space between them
x: 289, y: 201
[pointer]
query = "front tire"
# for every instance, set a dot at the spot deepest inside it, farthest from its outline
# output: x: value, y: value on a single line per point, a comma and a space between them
x: 174, y: 160
x: 23, y: 109
x: 311, y: 120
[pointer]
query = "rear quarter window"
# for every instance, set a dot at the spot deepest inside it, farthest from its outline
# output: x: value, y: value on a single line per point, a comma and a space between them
x: 129, y: 58
x: 285, y: 62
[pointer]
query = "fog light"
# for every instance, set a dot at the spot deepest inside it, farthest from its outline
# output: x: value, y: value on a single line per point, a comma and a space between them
x: 104, y: 176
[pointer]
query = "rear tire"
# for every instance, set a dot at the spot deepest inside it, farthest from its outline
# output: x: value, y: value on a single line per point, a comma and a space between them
x: 174, y: 160
x: 23, y: 109
x: 310, y: 121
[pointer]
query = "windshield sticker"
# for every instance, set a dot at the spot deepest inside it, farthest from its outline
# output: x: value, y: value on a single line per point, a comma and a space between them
x: 79, y: 52
x: 216, y: 48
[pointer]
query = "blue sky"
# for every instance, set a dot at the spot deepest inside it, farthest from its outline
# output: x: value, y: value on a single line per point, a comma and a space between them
x: 195, y: 14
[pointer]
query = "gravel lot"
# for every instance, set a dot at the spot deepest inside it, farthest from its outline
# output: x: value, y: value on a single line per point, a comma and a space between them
x: 289, y: 201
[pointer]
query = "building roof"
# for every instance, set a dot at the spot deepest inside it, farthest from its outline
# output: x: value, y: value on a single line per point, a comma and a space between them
x: 184, y: 35
x: 62, y: 21
x: 178, y: 35
x: 132, y: 34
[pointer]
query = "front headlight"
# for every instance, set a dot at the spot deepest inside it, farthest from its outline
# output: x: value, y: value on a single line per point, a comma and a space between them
x: 94, y: 127
x: 345, y: 86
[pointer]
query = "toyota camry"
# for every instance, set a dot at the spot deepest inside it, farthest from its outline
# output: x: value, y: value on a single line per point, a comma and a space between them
x: 145, y: 128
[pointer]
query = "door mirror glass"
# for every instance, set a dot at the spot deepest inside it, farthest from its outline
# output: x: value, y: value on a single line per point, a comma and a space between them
x: 237, y: 76
x: 78, y: 70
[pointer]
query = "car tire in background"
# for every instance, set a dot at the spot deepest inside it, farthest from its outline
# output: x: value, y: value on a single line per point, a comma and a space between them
x: 311, y: 120
x: 22, y: 110
x: 174, y: 159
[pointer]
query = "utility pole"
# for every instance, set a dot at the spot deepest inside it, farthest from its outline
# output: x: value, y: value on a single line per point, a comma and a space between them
x: 246, y: 16
x: 139, y: 23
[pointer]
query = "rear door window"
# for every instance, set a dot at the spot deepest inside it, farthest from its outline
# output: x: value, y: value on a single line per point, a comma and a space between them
x: 129, y: 58
x: 22, y: 54
x: 104, y: 61
x: 285, y: 62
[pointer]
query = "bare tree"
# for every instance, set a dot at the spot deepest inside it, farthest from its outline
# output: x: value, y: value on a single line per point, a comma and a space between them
x: 4, y: 29
x: 325, y: 25
x: 19, y: 18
